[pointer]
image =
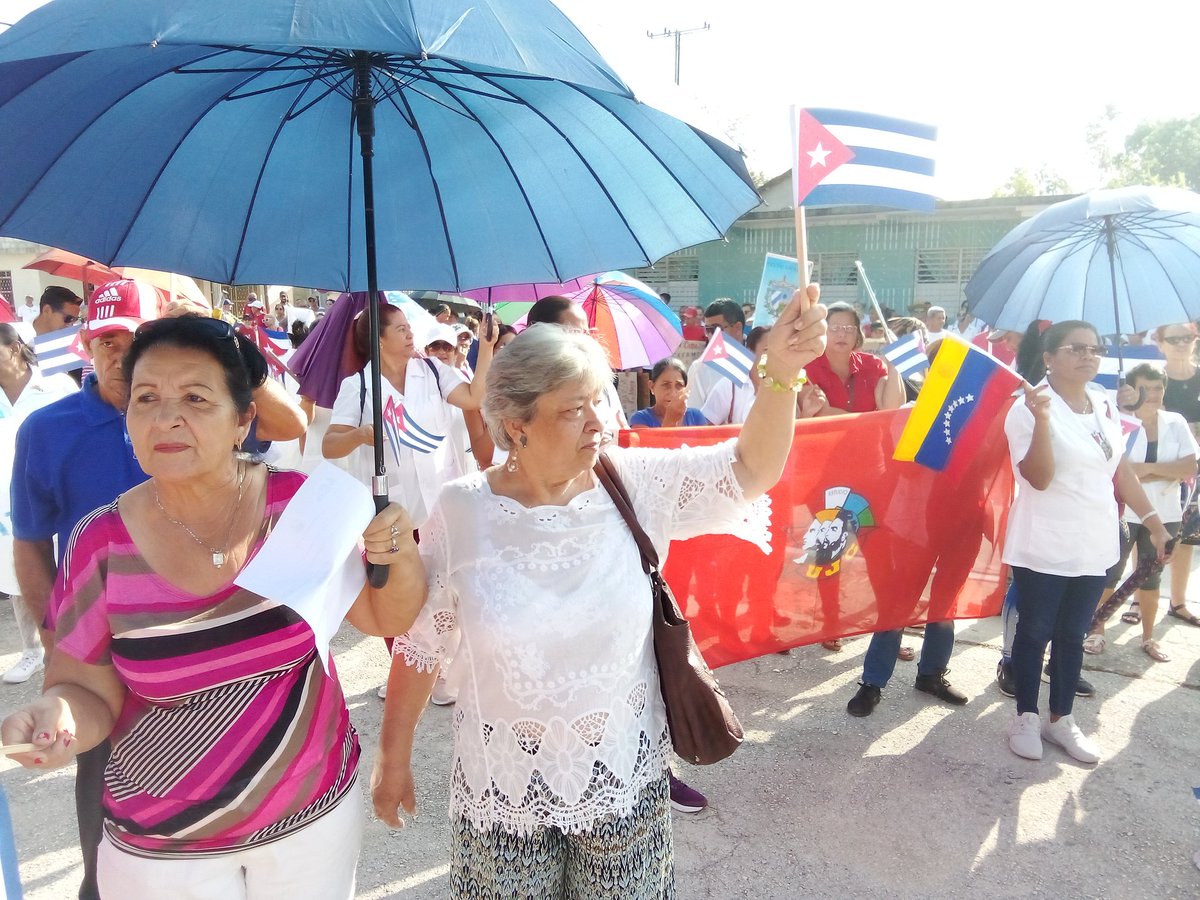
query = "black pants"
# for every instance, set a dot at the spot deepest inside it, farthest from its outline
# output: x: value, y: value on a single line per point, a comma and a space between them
x: 89, y: 810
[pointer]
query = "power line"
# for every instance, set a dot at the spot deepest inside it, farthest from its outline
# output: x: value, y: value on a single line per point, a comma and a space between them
x: 676, y: 33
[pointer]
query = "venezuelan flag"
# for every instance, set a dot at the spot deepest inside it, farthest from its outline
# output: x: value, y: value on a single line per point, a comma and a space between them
x: 964, y: 391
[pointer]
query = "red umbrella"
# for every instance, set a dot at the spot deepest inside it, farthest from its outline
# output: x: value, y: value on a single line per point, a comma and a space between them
x: 64, y: 264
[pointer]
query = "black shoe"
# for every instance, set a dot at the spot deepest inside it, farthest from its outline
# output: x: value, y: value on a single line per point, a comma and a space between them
x: 1004, y: 678
x: 1083, y: 687
x: 937, y: 685
x: 864, y: 702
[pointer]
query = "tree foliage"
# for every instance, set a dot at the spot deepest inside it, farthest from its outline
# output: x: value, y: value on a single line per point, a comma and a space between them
x: 1023, y: 183
x: 1166, y: 152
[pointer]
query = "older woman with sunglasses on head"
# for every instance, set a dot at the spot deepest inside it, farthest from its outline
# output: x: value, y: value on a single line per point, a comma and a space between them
x: 1065, y: 443
x: 1182, y: 396
x: 233, y: 767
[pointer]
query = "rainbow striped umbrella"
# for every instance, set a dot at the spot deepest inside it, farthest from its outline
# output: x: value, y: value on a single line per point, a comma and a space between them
x: 632, y: 322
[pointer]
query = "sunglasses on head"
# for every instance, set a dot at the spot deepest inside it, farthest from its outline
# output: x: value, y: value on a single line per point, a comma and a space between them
x: 217, y: 328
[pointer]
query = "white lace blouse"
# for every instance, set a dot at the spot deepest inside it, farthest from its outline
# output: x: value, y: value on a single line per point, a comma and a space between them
x: 546, y: 613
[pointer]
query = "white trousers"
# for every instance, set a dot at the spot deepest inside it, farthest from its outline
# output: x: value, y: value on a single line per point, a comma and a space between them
x: 315, y: 863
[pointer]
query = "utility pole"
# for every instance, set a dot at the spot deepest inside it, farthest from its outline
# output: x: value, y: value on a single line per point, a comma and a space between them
x: 677, y: 34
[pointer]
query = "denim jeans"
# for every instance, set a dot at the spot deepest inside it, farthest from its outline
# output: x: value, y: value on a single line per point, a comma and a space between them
x: 1054, y: 610
x: 880, y: 660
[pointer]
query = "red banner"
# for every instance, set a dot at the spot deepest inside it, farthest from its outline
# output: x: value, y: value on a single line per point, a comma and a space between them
x: 859, y: 542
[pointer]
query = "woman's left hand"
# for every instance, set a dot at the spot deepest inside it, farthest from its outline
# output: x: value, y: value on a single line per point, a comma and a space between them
x: 387, y: 534
x: 798, y: 336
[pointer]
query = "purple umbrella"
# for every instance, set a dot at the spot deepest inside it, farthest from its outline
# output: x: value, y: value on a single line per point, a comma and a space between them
x: 327, y: 355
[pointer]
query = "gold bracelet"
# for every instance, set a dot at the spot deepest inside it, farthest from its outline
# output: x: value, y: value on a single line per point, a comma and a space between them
x: 767, y: 381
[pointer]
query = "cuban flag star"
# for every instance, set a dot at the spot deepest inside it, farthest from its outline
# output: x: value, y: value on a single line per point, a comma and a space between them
x: 729, y: 358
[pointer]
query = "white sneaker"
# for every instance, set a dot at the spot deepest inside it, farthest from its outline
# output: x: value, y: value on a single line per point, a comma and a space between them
x: 382, y: 692
x: 442, y: 694
x: 1025, y: 736
x: 31, y: 661
x: 1067, y: 735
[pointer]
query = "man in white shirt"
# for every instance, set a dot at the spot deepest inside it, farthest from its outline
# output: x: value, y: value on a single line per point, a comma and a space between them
x: 29, y: 311
x: 935, y: 323
x: 727, y: 315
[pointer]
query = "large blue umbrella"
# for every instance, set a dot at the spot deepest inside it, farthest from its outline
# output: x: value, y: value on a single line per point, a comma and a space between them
x: 1125, y: 259
x: 221, y: 138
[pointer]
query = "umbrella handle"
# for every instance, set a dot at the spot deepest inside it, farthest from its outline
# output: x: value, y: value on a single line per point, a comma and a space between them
x: 377, y: 575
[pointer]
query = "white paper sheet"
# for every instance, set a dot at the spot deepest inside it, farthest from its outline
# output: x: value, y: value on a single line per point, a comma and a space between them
x: 311, y: 562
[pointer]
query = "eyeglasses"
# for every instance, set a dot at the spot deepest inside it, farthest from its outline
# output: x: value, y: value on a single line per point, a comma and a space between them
x: 843, y: 329
x: 1085, y: 350
x: 1180, y: 339
x: 440, y: 346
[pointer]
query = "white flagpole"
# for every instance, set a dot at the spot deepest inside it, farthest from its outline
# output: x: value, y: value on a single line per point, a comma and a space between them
x: 888, y: 334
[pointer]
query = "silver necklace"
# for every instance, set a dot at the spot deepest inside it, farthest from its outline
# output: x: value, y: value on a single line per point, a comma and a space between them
x: 218, y: 554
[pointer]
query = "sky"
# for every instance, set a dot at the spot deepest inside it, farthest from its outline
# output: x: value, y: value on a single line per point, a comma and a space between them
x: 1008, y: 85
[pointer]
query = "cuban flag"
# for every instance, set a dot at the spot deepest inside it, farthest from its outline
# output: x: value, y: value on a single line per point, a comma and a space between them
x: 1108, y: 376
x: 729, y: 358
x: 845, y: 158
x: 403, y: 431
x: 60, y: 351
x: 907, y: 355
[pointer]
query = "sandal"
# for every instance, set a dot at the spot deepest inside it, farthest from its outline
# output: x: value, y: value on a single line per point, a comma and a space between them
x: 1182, y: 612
x: 835, y: 645
x: 1093, y: 644
x: 1133, y: 615
x: 908, y: 654
x: 1152, y: 650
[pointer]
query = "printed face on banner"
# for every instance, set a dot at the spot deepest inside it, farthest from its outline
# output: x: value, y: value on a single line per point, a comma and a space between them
x: 832, y: 536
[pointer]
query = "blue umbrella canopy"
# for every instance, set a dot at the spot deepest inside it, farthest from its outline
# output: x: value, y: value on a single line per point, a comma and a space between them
x: 1125, y: 259
x: 218, y: 138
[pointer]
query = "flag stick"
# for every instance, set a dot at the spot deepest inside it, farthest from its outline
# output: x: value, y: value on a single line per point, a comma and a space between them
x: 802, y: 247
x: 862, y: 274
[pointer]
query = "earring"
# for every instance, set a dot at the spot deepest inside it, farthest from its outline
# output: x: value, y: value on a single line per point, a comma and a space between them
x: 512, y: 465
x: 524, y: 442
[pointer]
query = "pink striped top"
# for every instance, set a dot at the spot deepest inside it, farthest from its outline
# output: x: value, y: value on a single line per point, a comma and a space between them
x: 231, y: 734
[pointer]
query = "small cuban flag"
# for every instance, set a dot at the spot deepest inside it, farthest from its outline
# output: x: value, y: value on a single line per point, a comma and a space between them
x: 60, y: 351
x: 907, y: 355
x: 403, y: 431
x: 729, y: 358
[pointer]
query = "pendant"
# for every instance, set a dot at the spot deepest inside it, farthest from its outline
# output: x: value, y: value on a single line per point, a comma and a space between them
x: 218, y: 558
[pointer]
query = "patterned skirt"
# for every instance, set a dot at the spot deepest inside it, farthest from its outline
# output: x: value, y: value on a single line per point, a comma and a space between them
x: 627, y: 857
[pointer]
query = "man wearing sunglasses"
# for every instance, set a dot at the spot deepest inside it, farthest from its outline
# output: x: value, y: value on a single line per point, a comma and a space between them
x: 727, y: 315
x: 57, y: 309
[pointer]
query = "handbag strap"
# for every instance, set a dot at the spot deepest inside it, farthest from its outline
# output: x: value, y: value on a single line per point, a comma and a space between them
x: 606, y: 472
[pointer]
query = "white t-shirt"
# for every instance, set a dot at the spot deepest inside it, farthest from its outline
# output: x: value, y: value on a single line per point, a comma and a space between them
x: 27, y: 313
x: 548, y: 614
x: 1175, y: 442
x: 38, y: 392
x: 727, y: 403
x: 415, y: 483
x: 1071, y: 528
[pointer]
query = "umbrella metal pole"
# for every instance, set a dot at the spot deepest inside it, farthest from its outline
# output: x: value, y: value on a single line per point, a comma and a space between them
x: 1110, y: 239
x: 364, y: 117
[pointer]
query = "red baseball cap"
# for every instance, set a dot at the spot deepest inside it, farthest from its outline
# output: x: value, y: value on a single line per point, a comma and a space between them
x: 121, y: 306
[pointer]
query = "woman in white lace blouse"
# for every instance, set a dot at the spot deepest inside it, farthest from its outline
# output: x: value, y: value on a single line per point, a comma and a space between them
x: 559, y: 785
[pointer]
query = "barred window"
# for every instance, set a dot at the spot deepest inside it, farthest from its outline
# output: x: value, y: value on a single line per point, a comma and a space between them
x: 835, y: 269
x: 6, y: 286
x: 952, y: 265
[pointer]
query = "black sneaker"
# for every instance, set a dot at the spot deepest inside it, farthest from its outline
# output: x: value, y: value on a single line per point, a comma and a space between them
x: 864, y: 702
x: 937, y: 685
x: 1083, y: 688
x: 1004, y: 678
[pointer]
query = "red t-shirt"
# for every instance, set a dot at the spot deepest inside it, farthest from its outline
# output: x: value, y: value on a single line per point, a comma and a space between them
x: 855, y: 395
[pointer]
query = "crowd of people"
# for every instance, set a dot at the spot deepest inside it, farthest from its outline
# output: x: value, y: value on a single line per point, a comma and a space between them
x: 213, y: 745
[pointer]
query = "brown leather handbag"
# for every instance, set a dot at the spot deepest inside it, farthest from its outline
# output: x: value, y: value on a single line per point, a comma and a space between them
x: 703, y: 726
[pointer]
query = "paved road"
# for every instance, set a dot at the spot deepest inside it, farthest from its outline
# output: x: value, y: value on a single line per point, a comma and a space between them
x: 918, y: 800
